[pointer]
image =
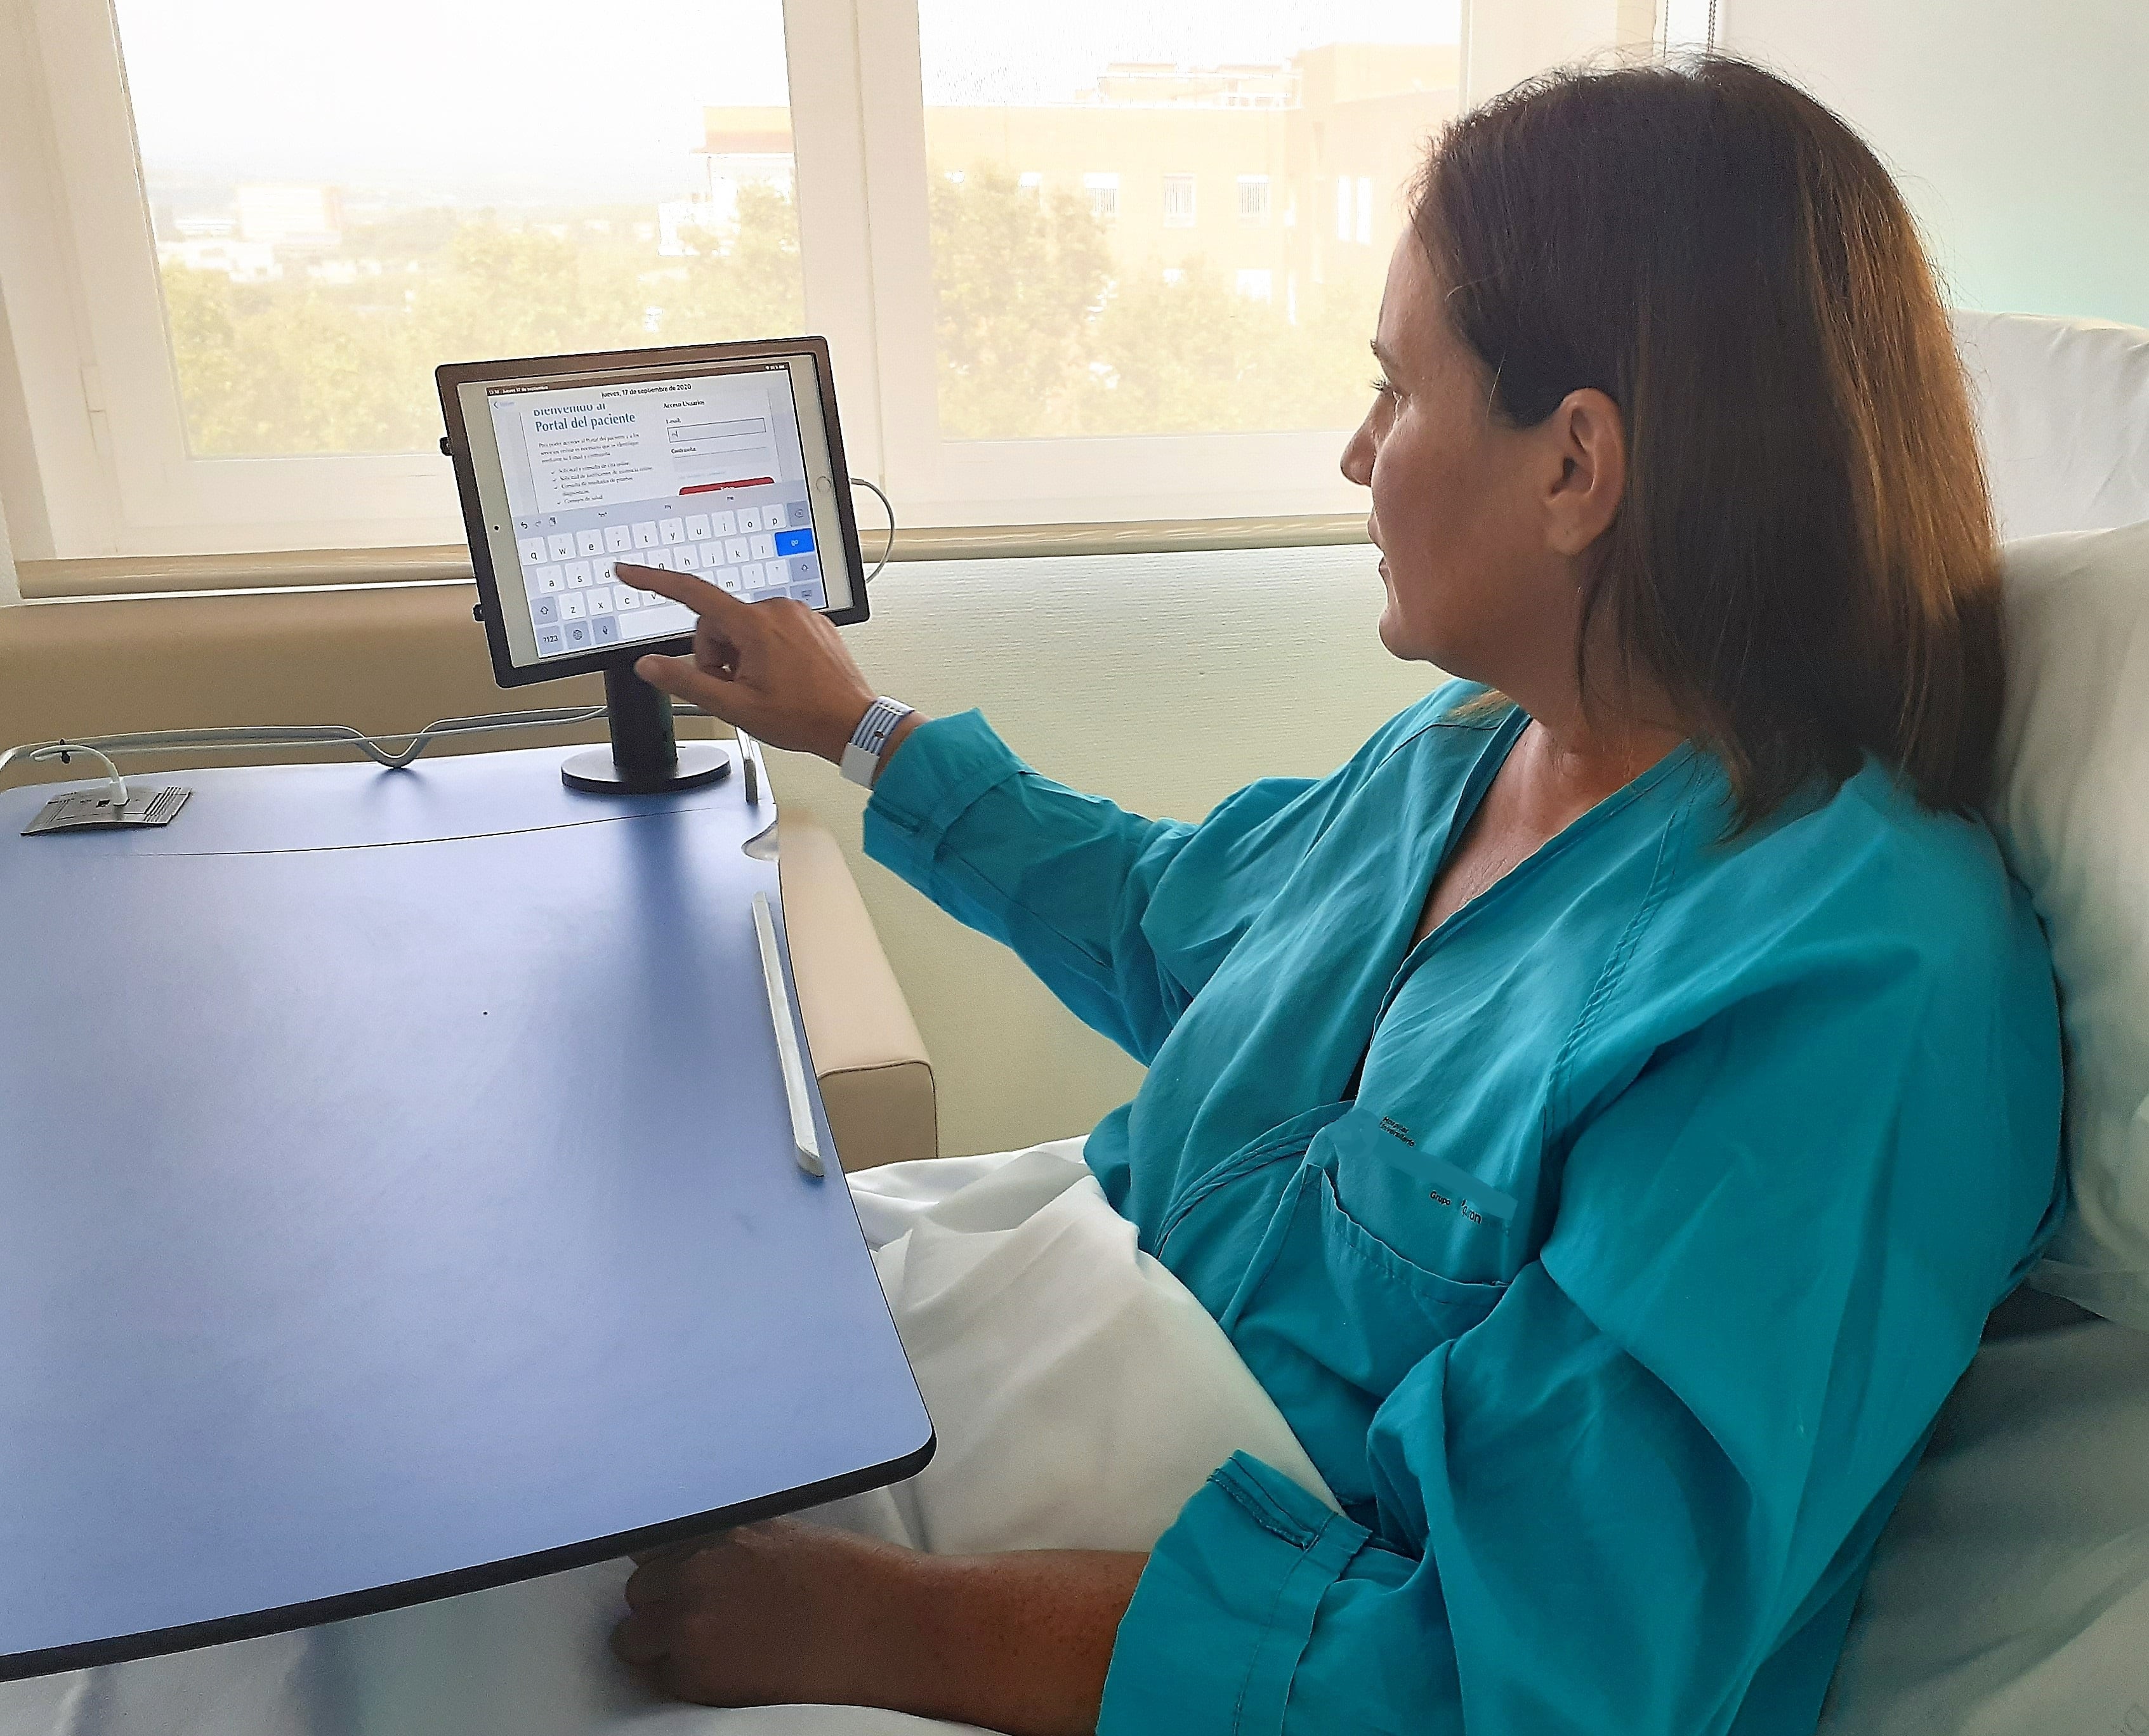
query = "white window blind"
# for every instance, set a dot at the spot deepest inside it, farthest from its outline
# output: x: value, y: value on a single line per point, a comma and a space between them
x: 237, y: 235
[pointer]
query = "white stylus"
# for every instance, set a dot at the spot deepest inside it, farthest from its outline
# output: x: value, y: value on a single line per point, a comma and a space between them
x: 781, y: 1016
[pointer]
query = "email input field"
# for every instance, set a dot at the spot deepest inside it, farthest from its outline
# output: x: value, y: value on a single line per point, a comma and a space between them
x: 716, y: 430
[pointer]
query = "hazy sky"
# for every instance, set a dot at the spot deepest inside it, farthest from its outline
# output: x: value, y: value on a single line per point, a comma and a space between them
x: 562, y: 100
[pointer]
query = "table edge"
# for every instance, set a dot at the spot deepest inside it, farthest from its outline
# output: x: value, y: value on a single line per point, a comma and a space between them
x: 160, y: 1641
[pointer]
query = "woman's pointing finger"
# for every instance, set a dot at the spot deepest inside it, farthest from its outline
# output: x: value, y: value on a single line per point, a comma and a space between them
x: 698, y: 594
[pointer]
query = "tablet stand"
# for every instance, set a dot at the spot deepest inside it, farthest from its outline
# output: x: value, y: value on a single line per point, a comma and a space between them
x: 645, y: 755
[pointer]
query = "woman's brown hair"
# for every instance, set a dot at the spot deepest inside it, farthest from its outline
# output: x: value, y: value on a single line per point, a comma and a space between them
x: 1804, y: 559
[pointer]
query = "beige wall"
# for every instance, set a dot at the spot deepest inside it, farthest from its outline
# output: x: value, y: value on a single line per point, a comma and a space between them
x: 1164, y: 681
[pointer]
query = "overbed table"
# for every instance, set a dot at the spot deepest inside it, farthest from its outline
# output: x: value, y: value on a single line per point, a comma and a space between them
x: 398, y: 1198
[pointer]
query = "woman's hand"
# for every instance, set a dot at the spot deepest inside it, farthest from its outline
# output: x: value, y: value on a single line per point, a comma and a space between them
x: 772, y: 1614
x: 776, y: 670
x: 787, y: 1613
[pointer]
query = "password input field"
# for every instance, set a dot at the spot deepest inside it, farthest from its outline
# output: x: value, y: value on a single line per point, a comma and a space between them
x: 686, y: 453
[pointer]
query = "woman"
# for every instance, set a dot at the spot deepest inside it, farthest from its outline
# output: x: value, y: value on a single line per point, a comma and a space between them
x: 1602, y: 1113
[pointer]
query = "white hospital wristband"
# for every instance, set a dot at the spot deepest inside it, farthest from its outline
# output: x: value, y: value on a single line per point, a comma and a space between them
x: 862, y: 756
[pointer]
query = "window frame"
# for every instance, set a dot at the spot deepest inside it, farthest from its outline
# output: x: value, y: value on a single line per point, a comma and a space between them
x: 94, y: 465
x: 142, y: 488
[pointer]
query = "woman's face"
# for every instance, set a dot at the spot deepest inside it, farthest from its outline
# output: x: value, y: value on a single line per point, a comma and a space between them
x: 1474, y: 583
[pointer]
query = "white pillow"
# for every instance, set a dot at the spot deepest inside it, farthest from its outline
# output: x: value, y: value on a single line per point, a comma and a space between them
x: 2063, y: 416
x: 2070, y: 805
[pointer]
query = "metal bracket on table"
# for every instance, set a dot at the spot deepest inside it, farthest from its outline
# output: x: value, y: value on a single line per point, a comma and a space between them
x: 97, y: 810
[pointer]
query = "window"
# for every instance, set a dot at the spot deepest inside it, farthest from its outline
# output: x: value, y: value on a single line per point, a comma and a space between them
x: 237, y: 235
x: 312, y: 263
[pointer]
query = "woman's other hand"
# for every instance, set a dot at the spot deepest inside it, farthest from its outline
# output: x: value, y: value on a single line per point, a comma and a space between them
x: 777, y: 670
x: 772, y: 1614
x: 787, y: 1613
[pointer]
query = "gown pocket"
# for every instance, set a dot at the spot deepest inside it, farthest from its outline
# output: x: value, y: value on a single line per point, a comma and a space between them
x: 1334, y: 1318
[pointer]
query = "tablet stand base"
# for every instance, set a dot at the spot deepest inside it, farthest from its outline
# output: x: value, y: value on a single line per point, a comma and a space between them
x: 645, y: 756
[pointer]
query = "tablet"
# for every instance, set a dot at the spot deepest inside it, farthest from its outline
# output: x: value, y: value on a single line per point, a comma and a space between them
x: 724, y: 460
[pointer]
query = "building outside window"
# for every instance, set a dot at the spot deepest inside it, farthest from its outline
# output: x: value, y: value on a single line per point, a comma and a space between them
x: 1104, y: 191
x: 745, y: 155
x: 1179, y: 202
x: 1253, y: 198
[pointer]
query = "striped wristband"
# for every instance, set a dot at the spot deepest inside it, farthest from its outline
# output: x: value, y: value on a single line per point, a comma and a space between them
x: 862, y: 756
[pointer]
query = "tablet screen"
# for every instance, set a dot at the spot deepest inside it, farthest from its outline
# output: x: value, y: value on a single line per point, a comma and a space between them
x: 720, y: 469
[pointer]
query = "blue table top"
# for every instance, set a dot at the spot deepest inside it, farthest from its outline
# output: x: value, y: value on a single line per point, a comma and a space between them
x: 397, y: 1198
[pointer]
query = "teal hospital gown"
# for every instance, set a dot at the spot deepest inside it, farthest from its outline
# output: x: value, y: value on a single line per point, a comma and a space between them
x: 1615, y: 1294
